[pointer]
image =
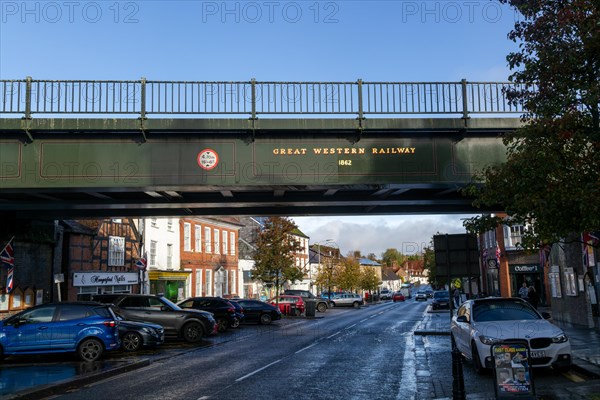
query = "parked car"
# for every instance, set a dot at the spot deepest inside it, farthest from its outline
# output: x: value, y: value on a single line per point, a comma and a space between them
x: 259, y: 311
x: 385, y: 294
x: 223, y: 311
x: 429, y: 293
x: 398, y: 296
x: 239, y: 313
x: 481, y: 323
x: 347, y: 300
x: 321, y: 304
x: 135, y: 334
x: 421, y: 295
x: 87, y: 328
x: 441, y: 299
x: 190, y: 325
x: 288, y: 304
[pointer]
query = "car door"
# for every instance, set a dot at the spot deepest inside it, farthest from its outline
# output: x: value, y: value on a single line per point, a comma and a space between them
x: 71, y: 320
x: 462, y: 330
x: 31, y: 331
x: 251, y: 310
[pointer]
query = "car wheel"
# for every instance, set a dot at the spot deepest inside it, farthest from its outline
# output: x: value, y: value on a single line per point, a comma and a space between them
x: 235, y: 323
x: 223, y: 324
x: 265, y: 319
x: 131, y: 341
x: 322, y: 307
x: 479, y: 369
x: 355, y: 304
x: 90, y: 350
x: 192, y: 332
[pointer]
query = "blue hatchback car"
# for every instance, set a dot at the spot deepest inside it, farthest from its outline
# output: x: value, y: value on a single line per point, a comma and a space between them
x: 87, y: 328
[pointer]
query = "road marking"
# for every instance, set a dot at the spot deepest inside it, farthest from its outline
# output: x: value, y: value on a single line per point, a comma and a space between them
x: 351, y: 326
x: 257, y: 371
x: 363, y: 320
x: 307, y: 347
x: 335, y: 334
x: 573, y: 377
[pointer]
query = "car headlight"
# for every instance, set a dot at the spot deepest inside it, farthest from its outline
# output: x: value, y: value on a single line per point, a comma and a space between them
x: 562, y: 338
x: 488, y: 340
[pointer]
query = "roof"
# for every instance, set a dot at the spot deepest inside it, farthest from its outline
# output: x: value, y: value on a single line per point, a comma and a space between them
x: 369, y: 262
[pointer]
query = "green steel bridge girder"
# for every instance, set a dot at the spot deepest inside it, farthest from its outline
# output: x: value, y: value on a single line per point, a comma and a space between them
x: 171, y: 166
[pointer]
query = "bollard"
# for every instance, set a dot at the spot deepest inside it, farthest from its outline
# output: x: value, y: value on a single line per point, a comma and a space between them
x: 458, y: 383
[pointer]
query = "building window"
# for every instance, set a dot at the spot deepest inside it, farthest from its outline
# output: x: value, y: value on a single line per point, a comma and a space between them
x: 170, y: 224
x: 225, y: 246
x: 208, y: 282
x: 152, y: 260
x: 232, y: 243
x: 217, y: 242
x: 198, y: 238
x: 117, y: 220
x: 198, y: 282
x: 153, y: 222
x: 234, y: 282
x: 169, y: 255
x: 207, y: 241
x: 116, y: 251
x: 513, y: 235
x: 187, y: 240
x: 226, y: 282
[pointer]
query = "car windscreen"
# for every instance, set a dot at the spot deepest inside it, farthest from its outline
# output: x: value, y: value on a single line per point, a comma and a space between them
x: 172, y: 305
x: 503, y: 311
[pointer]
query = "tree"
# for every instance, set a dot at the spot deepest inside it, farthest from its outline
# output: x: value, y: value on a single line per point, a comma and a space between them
x: 369, y: 280
x: 551, y: 179
x: 348, y: 274
x: 429, y: 264
x: 274, y: 259
x: 391, y: 257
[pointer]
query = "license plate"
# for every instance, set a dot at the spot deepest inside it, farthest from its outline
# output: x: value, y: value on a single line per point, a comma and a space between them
x: 538, y: 354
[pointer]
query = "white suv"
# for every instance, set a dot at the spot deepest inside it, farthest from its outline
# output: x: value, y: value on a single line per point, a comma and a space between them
x: 385, y: 295
x: 347, y: 299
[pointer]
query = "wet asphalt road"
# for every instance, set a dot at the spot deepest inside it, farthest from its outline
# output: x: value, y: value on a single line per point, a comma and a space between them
x: 367, y: 353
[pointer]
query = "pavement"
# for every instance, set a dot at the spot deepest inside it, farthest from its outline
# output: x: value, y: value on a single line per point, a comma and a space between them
x: 585, y: 343
x: 585, y: 347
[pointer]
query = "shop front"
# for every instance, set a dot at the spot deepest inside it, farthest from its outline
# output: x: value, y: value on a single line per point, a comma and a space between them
x: 532, y: 274
x: 87, y: 284
x: 171, y: 284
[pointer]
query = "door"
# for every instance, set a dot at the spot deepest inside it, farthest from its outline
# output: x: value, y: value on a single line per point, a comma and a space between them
x: 32, y: 331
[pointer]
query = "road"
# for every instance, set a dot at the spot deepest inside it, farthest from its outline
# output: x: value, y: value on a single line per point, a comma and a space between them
x: 366, y: 353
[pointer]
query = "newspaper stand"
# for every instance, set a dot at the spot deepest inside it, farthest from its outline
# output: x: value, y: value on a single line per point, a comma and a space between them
x: 513, y: 378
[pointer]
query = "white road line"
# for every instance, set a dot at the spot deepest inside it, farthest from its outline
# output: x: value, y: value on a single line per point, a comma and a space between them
x: 257, y: 371
x: 307, y: 347
x: 335, y: 334
x: 363, y: 320
x: 351, y: 326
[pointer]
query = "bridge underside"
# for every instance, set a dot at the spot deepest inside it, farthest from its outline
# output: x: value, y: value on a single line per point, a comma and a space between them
x: 169, y: 179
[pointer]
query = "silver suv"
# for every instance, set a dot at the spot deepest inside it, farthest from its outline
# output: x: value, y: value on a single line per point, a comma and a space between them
x: 347, y: 300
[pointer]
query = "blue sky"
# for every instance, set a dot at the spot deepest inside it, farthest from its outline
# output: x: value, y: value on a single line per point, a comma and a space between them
x: 271, y: 41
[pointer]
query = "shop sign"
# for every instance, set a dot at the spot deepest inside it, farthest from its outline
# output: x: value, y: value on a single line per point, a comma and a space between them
x: 105, y: 278
x: 524, y: 268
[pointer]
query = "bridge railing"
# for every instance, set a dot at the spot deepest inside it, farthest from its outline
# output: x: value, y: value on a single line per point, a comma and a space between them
x: 252, y: 98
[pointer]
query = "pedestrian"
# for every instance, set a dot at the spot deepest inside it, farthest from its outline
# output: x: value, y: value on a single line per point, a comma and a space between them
x: 456, y: 297
x: 533, y: 297
x: 524, y: 291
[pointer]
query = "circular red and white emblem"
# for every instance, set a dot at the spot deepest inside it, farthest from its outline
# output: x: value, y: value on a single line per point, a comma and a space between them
x: 208, y: 159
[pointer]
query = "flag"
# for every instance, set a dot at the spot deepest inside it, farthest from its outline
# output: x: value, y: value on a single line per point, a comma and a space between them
x: 141, y: 263
x: 7, y: 255
x: 497, y: 254
x: 10, y: 280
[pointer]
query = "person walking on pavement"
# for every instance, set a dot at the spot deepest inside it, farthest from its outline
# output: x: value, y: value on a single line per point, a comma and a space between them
x: 524, y: 291
x: 533, y: 297
x: 456, y: 295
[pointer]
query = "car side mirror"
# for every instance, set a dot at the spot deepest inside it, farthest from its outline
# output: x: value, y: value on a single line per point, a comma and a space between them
x: 546, y: 315
x: 462, y: 318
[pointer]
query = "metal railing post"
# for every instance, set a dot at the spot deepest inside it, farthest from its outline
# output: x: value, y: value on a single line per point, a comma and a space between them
x: 465, y: 111
x: 28, y: 98
x: 360, y: 100
x: 143, y: 98
x: 253, y: 86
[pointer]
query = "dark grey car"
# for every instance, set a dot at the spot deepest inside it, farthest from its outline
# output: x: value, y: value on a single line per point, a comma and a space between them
x: 190, y: 325
x: 321, y: 304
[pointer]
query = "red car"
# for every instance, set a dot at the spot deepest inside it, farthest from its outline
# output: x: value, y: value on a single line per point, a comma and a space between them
x: 289, y: 305
x: 397, y: 296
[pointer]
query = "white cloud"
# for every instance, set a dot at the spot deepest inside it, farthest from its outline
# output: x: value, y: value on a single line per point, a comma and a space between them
x: 375, y: 234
